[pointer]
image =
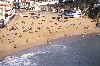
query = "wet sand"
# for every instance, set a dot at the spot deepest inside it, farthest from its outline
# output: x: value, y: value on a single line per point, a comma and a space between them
x: 25, y: 32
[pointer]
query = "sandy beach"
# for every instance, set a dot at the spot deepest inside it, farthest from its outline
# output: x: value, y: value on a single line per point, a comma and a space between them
x: 25, y: 32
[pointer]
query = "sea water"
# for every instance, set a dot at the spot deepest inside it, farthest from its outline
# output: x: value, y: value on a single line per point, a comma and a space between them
x: 75, y: 51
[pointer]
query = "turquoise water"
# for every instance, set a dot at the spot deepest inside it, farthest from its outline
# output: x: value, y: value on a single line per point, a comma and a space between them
x: 72, y: 51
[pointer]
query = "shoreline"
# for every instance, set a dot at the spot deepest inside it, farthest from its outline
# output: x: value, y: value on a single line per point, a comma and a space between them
x: 26, y: 32
x: 37, y: 44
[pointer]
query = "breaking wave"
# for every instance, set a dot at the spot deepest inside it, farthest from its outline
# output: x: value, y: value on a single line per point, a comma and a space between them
x: 31, y: 59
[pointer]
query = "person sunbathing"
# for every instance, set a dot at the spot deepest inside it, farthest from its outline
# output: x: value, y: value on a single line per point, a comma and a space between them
x: 12, y: 28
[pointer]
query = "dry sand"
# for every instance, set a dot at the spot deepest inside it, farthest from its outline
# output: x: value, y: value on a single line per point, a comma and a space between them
x: 31, y: 32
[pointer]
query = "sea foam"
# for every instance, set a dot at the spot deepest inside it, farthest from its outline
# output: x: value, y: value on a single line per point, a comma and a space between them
x: 31, y: 59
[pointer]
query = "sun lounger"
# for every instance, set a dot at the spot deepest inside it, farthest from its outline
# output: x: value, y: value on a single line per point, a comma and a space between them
x: 71, y: 17
x: 65, y: 17
x: 25, y: 16
x: 53, y: 17
x: 58, y: 17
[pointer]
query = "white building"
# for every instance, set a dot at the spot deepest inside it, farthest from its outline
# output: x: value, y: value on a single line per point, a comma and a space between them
x: 72, y: 13
x: 39, y: 2
x: 36, y: 3
x: 68, y: 0
x: 47, y: 2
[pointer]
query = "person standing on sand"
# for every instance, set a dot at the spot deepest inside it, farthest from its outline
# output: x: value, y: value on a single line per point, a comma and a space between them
x: 6, y: 15
x: 97, y: 25
x: 48, y: 40
x: 15, y: 46
x: 61, y: 15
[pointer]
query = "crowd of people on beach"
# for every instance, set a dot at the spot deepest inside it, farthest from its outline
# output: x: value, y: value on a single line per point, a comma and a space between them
x: 45, y: 27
